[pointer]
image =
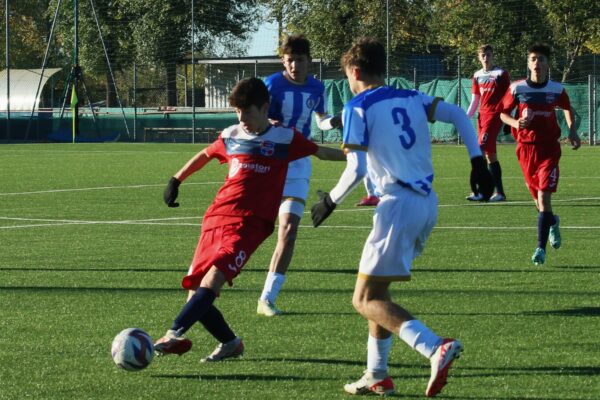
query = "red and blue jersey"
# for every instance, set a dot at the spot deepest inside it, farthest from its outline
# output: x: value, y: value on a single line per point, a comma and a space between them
x: 491, y: 86
x: 541, y: 100
x: 258, y: 166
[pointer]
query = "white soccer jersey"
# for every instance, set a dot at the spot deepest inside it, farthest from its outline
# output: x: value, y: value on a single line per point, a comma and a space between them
x: 391, y: 125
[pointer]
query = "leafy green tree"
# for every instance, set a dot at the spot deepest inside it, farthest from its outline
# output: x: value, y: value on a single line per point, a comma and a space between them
x: 28, y: 33
x: 575, y: 28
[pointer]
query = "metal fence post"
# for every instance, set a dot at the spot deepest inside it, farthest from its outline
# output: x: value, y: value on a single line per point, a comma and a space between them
x: 458, y: 94
x: 134, y: 101
x: 6, y: 12
x: 592, y: 109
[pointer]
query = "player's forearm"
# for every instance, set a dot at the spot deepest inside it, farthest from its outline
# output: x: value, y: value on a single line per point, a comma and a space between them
x: 356, y: 169
x: 194, y: 164
x: 453, y: 114
x: 473, y: 106
x: 510, y: 121
x: 330, y: 154
x: 569, y: 119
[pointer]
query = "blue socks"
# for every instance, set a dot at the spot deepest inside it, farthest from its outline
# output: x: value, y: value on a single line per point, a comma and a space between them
x: 545, y: 221
x: 194, y: 310
x: 496, y: 172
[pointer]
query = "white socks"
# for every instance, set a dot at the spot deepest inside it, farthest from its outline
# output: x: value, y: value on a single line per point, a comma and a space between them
x: 377, y: 354
x: 419, y: 337
x: 272, y: 287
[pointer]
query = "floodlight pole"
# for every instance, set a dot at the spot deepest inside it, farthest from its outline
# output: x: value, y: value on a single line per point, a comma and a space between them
x: 193, y: 77
x: 387, y: 42
x: 7, y: 70
x: 76, y: 73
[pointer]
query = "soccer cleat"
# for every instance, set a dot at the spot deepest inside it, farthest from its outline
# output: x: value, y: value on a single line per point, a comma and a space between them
x: 265, y: 307
x: 474, y: 197
x: 441, y: 361
x: 368, y: 201
x: 539, y: 256
x: 371, y: 382
x: 171, y: 343
x: 497, y: 197
x: 554, y: 236
x: 233, y: 349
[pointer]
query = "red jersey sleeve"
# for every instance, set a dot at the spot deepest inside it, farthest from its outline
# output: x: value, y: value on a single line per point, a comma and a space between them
x: 563, y: 100
x: 504, y: 84
x: 217, y: 150
x: 301, y: 147
x: 508, y: 102
x: 474, y: 86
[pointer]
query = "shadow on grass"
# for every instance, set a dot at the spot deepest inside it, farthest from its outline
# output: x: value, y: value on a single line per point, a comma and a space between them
x: 240, y: 377
x: 570, y: 312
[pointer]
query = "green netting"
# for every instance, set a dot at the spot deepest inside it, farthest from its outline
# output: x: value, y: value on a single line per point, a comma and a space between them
x: 176, y: 126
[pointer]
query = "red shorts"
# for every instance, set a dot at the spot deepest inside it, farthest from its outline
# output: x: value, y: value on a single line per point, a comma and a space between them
x: 539, y: 166
x: 227, y: 247
x: 488, y: 128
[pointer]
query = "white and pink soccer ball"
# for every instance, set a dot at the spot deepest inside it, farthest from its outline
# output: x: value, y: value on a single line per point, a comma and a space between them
x: 132, y: 349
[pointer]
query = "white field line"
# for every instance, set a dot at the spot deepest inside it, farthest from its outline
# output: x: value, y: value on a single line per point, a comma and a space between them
x: 101, y: 188
x: 44, y: 222
x: 200, y: 183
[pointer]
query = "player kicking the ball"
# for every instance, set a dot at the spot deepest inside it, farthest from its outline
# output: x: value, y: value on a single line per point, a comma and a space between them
x: 241, y: 216
x: 388, y: 127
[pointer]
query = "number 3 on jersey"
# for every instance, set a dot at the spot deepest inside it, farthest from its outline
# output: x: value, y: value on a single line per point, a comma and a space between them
x: 407, y: 137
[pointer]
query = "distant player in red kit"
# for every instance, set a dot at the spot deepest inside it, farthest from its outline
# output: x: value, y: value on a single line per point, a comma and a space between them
x: 537, y: 134
x: 489, y: 85
x: 242, y: 214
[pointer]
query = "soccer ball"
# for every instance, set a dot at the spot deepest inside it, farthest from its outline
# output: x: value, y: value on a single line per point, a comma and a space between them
x: 132, y: 349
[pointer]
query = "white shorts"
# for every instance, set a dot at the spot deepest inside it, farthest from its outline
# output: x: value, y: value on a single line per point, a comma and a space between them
x: 295, y: 193
x: 402, y: 223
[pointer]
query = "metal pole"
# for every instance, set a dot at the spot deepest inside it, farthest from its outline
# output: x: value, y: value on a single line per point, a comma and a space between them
x: 193, y: 77
x: 415, y: 77
x: 459, y: 94
x: 134, y: 101
x: 7, y: 70
x: 387, y: 42
x: 76, y: 71
x: 591, y: 110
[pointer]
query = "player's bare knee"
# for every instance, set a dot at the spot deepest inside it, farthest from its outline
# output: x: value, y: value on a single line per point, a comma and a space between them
x: 288, y: 233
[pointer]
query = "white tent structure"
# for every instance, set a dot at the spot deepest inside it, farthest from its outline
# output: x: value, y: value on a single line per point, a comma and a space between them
x: 23, y: 88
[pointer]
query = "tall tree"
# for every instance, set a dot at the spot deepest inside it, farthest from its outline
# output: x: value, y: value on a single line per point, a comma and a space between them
x: 28, y: 33
x: 575, y: 26
x: 161, y: 30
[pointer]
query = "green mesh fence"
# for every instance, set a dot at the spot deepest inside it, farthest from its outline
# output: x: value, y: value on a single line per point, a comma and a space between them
x: 175, y: 124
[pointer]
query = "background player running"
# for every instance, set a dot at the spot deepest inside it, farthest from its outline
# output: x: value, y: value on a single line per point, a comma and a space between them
x: 489, y: 85
x: 537, y: 134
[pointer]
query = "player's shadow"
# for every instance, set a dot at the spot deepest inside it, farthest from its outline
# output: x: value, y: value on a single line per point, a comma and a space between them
x: 570, y: 312
x: 239, y: 377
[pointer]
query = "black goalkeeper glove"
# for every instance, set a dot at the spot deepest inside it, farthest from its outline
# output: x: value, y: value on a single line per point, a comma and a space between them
x: 171, y: 192
x: 336, y: 122
x: 481, y: 178
x: 321, y: 209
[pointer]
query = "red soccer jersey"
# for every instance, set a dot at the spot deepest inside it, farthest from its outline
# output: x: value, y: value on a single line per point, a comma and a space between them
x: 258, y: 166
x: 491, y: 86
x: 541, y: 102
